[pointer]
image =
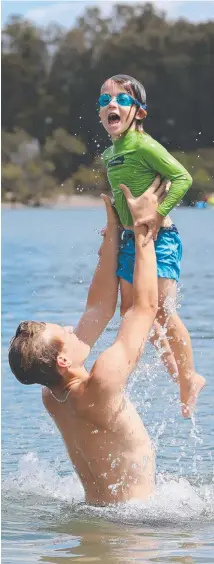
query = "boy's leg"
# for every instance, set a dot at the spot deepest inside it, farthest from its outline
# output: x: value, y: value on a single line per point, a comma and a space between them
x: 125, y: 271
x: 191, y: 383
x: 159, y: 339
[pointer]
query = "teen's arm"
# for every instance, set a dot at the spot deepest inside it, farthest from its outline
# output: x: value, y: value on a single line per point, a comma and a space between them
x: 103, y: 291
x: 114, y: 366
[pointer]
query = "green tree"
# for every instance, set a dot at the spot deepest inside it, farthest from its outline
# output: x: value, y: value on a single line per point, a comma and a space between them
x: 51, y: 80
x: 65, y: 151
x: 26, y: 176
x: 25, y: 62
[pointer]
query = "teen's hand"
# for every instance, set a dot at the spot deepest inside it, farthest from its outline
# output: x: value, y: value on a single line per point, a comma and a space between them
x: 113, y: 220
x: 112, y: 216
x: 103, y: 233
x: 153, y: 222
x: 144, y: 207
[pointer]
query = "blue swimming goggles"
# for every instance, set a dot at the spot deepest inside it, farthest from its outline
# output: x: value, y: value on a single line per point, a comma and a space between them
x: 122, y: 99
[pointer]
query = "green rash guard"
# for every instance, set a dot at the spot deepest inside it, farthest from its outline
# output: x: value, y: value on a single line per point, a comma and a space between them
x: 135, y: 160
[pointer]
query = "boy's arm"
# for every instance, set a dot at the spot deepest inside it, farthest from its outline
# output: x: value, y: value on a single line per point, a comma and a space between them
x: 179, y: 181
x: 103, y: 291
x: 168, y: 167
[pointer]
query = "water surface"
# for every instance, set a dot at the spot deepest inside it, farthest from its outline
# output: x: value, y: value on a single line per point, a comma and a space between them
x: 48, y: 260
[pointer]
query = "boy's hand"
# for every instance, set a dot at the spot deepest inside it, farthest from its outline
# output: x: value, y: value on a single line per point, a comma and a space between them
x: 144, y: 208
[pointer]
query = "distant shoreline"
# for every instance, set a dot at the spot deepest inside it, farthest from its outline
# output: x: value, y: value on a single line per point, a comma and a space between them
x: 64, y: 202
x: 60, y: 202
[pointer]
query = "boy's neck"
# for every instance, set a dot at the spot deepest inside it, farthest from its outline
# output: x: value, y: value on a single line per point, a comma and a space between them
x: 125, y: 133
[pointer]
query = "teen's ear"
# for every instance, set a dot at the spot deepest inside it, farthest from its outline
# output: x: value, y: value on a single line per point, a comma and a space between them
x: 62, y: 361
x: 141, y: 113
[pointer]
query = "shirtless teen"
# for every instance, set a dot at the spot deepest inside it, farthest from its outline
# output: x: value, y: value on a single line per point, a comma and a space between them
x: 103, y: 433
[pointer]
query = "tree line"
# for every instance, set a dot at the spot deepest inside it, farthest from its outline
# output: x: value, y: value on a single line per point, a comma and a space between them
x: 51, y: 77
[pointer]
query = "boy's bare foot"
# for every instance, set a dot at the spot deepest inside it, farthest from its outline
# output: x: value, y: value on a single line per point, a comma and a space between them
x: 189, y: 393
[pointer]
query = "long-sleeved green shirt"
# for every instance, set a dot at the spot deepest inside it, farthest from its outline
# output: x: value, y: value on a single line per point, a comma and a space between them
x: 134, y: 160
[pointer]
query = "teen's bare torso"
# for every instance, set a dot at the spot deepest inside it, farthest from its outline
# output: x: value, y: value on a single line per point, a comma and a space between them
x: 108, y: 445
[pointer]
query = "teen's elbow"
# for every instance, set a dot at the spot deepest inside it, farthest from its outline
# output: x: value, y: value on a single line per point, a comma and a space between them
x: 153, y: 301
x: 108, y: 307
x: 153, y: 306
x: 109, y: 313
x: 149, y: 307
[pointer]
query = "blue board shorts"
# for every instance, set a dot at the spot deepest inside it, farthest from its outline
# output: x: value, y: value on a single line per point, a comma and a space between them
x: 168, y: 249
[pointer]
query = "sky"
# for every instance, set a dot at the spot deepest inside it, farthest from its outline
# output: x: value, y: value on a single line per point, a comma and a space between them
x: 65, y: 12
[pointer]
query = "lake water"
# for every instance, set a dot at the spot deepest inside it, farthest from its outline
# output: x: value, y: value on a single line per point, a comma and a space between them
x: 48, y: 260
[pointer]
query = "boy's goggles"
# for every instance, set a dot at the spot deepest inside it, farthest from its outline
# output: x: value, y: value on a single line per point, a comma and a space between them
x: 122, y: 99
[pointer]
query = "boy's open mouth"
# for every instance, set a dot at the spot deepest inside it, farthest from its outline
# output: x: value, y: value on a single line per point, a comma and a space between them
x: 113, y: 117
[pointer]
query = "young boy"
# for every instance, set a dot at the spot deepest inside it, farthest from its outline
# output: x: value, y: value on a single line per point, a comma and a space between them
x: 134, y: 159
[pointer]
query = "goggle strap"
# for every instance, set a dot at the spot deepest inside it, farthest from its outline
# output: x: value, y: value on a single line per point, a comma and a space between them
x: 143, y: 106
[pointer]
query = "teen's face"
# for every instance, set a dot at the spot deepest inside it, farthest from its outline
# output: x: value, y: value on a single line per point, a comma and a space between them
x: 116, y: 119
x: 73, y: 352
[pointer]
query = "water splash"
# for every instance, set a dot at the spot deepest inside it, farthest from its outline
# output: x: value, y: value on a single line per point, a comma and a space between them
x: 41, y: 478
x: 175, y: 500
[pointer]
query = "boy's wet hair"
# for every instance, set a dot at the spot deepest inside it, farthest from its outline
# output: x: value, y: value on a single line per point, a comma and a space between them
x: 134, y: 88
